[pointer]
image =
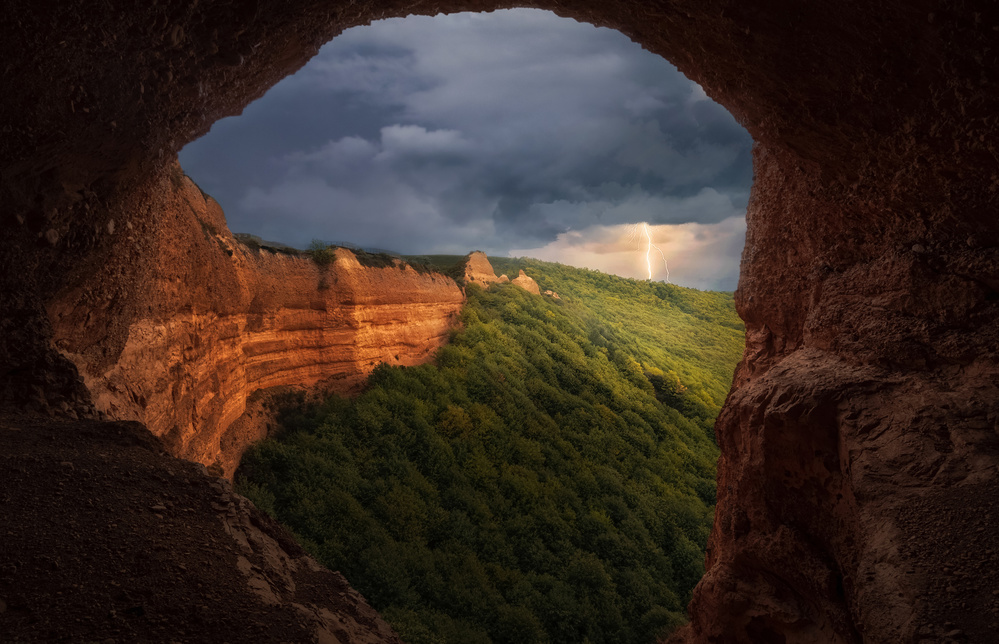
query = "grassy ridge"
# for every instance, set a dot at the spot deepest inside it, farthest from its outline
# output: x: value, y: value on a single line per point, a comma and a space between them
x: 549, y: 479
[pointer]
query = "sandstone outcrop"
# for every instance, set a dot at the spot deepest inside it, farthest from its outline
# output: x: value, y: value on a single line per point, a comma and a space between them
x: 526, y: 282
x: 217, y: 321
x: 862, y: 425
x: 479, y: 271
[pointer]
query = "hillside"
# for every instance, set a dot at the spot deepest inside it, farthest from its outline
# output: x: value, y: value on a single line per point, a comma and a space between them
x: 549, y: 479
x: 695, y: 334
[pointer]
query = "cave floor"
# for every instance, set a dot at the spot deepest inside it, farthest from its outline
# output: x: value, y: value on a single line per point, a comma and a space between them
x: 105, y: 538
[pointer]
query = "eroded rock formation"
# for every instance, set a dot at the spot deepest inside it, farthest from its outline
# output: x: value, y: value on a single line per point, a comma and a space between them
x: 526, y: 282
x: 479, y: 271
x: 863, y: 419
x: 217, y: 321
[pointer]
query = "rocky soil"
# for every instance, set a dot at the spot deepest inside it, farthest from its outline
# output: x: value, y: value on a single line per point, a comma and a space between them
x: 950, y: 537
x: 104, y: 538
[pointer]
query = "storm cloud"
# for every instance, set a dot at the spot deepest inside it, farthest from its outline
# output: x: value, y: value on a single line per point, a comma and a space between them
x: 497, y: 132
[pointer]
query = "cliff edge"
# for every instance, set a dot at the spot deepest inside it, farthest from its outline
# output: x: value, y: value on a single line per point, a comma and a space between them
x: 214, y: 321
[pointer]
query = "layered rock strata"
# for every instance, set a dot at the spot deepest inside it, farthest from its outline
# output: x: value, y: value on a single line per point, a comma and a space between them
x: 217, y: 321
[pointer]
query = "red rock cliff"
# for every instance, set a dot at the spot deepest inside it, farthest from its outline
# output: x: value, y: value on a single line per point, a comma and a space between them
x: 216, y: 321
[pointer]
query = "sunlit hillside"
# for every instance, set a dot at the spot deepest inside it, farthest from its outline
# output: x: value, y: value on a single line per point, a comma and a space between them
x: 550, y: 478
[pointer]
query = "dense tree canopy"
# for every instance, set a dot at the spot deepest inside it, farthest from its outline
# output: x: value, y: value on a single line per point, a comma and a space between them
x: 549, y: 478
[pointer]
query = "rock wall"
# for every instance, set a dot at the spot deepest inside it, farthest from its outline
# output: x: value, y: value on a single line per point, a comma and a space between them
x: 863, y: 416
x: 862, y: 426
x: 216, y: 321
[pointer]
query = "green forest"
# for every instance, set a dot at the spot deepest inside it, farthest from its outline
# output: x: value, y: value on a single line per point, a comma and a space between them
x: 550, y: 477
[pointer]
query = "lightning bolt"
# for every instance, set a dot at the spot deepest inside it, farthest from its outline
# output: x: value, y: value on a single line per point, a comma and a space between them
x: 648, y: 250
x: 665, y: 263
x: 648, y: 253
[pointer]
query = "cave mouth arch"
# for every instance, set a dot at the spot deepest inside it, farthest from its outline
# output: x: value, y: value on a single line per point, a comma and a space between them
x: 868, y: 282
x: 454, y: 140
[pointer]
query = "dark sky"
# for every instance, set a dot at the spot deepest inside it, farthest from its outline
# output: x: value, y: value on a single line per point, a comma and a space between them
x: 516, y: 132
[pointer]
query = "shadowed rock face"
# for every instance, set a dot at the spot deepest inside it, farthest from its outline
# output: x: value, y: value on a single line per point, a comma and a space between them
x: 862, y: 424
x: 151, y: 548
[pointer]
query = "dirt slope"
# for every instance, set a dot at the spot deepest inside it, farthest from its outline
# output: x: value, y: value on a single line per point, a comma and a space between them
x: 106, y: 538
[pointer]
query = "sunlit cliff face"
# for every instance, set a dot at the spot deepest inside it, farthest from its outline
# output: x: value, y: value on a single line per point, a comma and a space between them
x: 865, y: 408
x: 218, y: 321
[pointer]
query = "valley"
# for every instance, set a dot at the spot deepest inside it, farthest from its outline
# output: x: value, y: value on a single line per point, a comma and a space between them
x: 547, y: 477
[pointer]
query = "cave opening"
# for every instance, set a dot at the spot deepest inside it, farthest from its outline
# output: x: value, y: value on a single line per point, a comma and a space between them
x: 517, y: 133
x: 868, y: 284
